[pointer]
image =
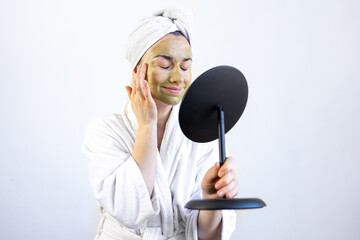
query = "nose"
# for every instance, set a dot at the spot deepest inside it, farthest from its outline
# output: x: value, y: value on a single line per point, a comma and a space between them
x: 177, y: 76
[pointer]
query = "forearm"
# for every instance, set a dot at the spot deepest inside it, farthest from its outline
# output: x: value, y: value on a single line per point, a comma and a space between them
x: 144, y: 153
x: 209, y: 224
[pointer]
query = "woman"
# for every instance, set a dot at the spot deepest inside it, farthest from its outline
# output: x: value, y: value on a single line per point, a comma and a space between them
x: 143, y: 170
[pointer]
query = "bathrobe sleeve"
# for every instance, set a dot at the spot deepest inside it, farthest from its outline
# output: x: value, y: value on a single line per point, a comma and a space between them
x: 116, y: 180
x: 208, y: 155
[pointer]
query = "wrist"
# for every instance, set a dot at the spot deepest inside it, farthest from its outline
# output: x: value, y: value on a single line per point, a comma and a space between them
x: 147, y: 125
x: 206, y: 195
x: 210, y: 195
x: 209, y: 224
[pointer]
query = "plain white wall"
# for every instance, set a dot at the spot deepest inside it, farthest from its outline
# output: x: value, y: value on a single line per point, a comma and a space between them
x: 297, y: 144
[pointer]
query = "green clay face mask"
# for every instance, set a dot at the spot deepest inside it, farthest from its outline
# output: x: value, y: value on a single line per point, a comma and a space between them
x: 169, y: 68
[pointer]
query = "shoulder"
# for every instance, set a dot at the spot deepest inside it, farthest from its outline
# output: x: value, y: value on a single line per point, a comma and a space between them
x: 113, y: 122
x: 109, y: 130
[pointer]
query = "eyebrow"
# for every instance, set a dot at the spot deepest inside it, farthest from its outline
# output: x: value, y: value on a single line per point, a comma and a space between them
x: 170, y: 58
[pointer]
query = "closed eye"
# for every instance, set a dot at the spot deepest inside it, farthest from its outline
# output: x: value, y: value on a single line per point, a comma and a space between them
x: 186, y: 64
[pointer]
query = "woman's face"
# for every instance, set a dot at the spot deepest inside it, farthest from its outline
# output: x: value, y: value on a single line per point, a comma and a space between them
x: 169, y: 68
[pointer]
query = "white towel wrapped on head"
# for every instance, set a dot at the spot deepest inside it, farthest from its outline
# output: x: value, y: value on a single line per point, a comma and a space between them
x: 151, y: 29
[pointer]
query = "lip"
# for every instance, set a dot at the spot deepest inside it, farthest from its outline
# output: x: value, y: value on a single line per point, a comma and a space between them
x: 173, y: 90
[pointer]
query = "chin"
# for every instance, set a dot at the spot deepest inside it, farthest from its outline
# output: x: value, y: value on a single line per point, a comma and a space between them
x: 172, y: 102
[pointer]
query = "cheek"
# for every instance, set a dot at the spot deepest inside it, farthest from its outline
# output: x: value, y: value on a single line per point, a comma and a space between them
x: 157, y: 77
x: 188, y: 77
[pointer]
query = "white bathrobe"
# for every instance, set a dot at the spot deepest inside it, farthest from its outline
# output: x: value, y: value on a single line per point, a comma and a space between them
x: 128, y: 210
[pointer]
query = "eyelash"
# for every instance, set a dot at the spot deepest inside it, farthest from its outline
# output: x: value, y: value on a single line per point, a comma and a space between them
x: 166, y: 68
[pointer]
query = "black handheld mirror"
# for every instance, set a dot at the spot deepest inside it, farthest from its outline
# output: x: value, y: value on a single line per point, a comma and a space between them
x: 211, y: 106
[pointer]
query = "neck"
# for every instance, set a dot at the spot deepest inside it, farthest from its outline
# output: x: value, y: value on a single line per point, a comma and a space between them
x: 163, y: 112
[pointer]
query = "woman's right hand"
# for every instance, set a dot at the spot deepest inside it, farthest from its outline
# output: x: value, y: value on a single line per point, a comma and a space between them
x: 142, y: 103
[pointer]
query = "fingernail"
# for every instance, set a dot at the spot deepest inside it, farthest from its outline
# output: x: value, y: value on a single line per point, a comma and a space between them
x: 217, y: 186
x: 221, y: 194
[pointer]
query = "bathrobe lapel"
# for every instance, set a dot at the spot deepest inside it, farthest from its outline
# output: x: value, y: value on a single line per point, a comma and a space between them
x: 166, y: 163
x: 167, y: 160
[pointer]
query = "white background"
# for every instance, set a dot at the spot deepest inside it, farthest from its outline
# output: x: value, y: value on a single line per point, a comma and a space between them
x: 297, y: 144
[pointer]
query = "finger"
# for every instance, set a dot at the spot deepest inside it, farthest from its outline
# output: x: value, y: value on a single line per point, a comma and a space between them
x: 227, y: 189
x: 225, y: 180
x: 211, y: 175
x: 143, y: 74
x: 143, y: 71
x: 128, y: 90
x: 233, y: 192
x: 147, y: 90
x: 140, y: 88
x: 212, y: 172
x: 140, y: 81
x: 136, y: 79
x: 226, y: 167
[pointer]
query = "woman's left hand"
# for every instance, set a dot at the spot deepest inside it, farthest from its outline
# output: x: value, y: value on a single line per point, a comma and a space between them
x: 219, y: 182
